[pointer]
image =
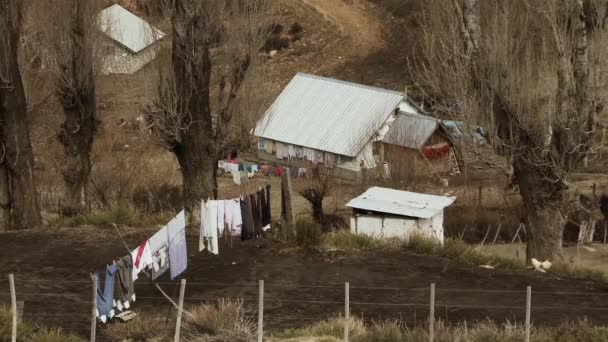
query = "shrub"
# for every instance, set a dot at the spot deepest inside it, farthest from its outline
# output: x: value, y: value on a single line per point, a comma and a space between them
x: 53, y: 335
x: 141, y: 328
x: 225, y: 321
x: 308, y: 233
x: 295, y: 28
x: 6, y: 324
x: 157, y: 199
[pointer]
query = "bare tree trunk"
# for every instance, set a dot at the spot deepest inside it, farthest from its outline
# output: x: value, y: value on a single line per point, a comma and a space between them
x: 76, y: 92
x: 13, y: 123
x: 196, y: 152
x: 544, y: 201
x: 472, y: 30
x: 5, y: 199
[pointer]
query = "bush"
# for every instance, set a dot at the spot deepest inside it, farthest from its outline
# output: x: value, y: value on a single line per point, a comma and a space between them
x: 308, y: 233
x: 225, y: 322
x: 53, y: 335
x: 6, y: 324
x: 158, y: 199
x: 141, y: 328
x: 295, y: 28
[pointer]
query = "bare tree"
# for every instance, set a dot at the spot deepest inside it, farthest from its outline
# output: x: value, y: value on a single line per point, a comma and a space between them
x: 197, y: 134
x: 532, y: 74
x: 75, y: 89
x: 17, y: 161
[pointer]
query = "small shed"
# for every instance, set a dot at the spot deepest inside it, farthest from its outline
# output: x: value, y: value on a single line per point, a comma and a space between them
x: 131, y: 42
x: 384, y: 212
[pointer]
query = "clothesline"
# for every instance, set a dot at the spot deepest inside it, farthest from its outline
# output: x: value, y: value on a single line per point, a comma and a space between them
x: 247, y: 216
x: 241, y: 172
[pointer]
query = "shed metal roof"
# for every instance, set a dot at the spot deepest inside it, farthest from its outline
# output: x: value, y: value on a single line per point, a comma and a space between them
x: 411, y: 130
x: 399, y: 202
x: 327, y: 114
x: 127, y: 29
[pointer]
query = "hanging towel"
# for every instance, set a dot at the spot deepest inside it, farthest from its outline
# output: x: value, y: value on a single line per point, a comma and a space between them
x: 178, y: 255
x: 208, y: 231
x: 159, y: 247
x: 105, y: 295
x: 236, y: 175
x: 221, y: 217
x: 126, y: 291
x: 233, y: 217
x: 279, y: 171
x: 247, y: 217
x: 142, y: 258
x: 266, y: 218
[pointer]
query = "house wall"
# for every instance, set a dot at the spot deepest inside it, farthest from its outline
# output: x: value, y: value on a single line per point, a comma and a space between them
x: 119, y: 60
x: 387, y: 226
x: 409, y: 161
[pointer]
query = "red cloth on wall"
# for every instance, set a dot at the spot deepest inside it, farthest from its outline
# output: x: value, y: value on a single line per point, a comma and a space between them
x: 436, y: 151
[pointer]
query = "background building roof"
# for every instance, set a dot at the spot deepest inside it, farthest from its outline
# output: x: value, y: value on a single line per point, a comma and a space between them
x: 328, y: 115
x: 411, y: 130
x: 127, y: 29
x: 399, y: 202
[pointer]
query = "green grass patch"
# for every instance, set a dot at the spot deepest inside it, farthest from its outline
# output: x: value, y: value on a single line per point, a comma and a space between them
x: 308, y: 233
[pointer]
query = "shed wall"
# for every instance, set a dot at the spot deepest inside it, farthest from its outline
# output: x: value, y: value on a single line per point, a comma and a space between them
x: 390, y: 226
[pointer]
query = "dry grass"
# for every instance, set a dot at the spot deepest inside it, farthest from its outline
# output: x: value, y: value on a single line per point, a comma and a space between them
x: 27, y: 331
x: 486, y: 331
x: 225, y: 321
x: 121, y: 216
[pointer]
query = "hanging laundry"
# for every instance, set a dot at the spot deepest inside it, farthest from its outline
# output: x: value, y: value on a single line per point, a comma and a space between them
x: 247, y: 219
x: 264, y: 169
x: 300, y: 152
x: 291, y: 152
x: 244, y: 177
x: 279, y: 171
x: 241, y: 167
x: 271, y: 171
x: 308, y: 154
x: 236, y: 175
x: 302, y: 172
x: 159, y: 246
x: 208, y: 231
x: 221, y: 217
x: 266, y: 212
x: 250, y: 171
x: 105, y: 295
x: 234, y: 219
x: 293, y: 172
x: 142, y: 257
x: 124, y: 276
x: 178, y: 255
x: 282, y: 151
x: 256, y: 213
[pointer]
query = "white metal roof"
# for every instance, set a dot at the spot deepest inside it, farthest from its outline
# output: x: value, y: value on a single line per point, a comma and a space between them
x: 127, y: 29
x: 399, y: 202
x: 411, y: 130
x: 328, y: 115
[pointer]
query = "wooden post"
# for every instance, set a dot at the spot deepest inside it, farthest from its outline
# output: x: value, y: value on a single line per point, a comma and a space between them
x: 432, y: 314
x: 11, y: 280
x: 261, y: 311
x: 346, y: 310
x: 528, y: 307
x: 94, y: 309
x: 180, y: 309
x: 605, y: 229
x: 287, y: 213
x: 497, y: 232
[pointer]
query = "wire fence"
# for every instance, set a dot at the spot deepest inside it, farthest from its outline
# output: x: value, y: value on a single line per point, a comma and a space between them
x: 67, y: 304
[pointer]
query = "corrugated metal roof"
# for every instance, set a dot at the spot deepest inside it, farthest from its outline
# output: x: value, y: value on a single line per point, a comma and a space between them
x: 127, y: 29
x: 399, y: 202
x: 328, y: 115
x: 411, y: 130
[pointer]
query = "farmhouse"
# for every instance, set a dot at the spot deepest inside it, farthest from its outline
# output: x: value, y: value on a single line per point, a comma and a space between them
x: 349, y: 126
x: 387, y: 213
x: 130, y: 42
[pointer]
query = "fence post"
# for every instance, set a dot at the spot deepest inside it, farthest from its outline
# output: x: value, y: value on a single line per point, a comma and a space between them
x: 261, y: 311
x: 432, y: 314
x: 346, y: 310
x: 528, y: 308
x: 94, y: 309
x: 11, y: 280
x: 180, y: 309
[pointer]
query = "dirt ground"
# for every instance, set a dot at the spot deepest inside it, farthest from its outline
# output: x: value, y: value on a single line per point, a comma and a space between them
x: 52, y: 278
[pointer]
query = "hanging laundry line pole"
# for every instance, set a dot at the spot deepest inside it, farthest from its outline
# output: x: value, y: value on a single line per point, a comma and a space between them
x: 94, y: 308
x: 178, y: 322
x: 11, y: 280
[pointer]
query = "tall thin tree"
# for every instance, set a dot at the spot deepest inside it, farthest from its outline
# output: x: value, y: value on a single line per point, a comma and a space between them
x: 17, y: 157
x: 75, y: 90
